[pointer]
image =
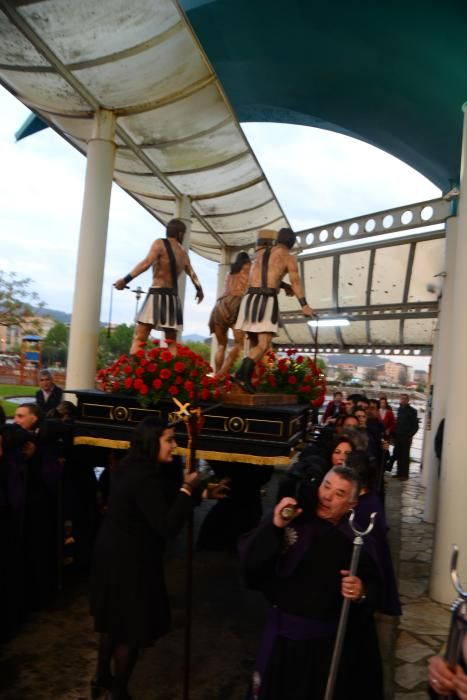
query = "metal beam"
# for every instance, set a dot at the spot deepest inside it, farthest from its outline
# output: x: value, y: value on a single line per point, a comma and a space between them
x: 421, y: 214
x: 377, y: 350
x: 369, y: 244
x: 293, y: 317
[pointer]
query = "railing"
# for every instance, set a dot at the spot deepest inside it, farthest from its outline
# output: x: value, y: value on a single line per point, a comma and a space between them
x: 27, y: 377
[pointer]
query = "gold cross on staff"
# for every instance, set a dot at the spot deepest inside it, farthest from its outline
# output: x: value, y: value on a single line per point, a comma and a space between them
x: 182, y: 408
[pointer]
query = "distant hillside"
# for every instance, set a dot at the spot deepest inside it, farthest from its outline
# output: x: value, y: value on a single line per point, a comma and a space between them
x: 194, y: 337
x: 60, y: 316
x: 63, y: 317
x: 358, y: 360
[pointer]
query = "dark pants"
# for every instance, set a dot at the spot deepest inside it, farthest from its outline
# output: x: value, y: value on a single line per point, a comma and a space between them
x: 402, y: 444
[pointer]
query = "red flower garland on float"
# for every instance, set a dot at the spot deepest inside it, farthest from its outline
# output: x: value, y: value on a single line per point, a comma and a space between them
x: 291, y: 374
x: 155, y: 374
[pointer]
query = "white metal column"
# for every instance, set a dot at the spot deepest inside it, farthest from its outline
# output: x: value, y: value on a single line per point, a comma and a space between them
x: 441, y: 355
x: 452, y: 513
x: 428, y: 457
x: 84, y: 330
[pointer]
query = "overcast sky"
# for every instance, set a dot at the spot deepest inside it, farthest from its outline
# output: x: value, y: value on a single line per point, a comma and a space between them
x: 318, y: 176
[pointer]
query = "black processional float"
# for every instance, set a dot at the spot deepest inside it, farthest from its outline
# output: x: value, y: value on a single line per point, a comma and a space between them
x: 261, y: 434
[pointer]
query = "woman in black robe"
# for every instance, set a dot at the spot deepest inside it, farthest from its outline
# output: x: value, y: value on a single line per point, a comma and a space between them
x: 150, y: 501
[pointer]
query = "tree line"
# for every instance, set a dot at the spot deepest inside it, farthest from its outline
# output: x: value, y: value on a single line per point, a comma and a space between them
x: 110, y: 346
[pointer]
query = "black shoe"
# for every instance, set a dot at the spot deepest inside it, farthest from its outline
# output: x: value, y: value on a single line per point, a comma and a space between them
x: 244, y: 374
x: 100, y: 687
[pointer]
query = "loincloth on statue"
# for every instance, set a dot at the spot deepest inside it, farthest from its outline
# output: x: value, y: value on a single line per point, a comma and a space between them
x: 161, y: 309
x: 225, y: 312
x: 259, y: 311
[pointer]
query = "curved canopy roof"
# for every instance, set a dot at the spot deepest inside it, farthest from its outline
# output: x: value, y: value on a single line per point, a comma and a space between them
x: 392, y: 73
x: 176, y: 132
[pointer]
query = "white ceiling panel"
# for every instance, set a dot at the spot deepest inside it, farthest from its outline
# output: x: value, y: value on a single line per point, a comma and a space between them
x: 380, y: 289
x: 176, y: 132
x: 83, y: 31
x: 388, y: 279
x: 184, y: 118
x: 317, y: 278
x: 419, y: 331
x: 353, y: 278
x: 246, y: 199
x: 210, y: 149
x: 428, y: 264
x: 355, y: 333
x: 385, y: 332
x: 245, y: 169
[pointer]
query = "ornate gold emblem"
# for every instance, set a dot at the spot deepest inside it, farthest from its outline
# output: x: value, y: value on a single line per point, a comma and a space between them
x: 120, y: 413
x: 236, y: 424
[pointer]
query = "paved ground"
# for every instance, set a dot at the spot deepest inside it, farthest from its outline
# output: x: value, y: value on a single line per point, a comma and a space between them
x: 423, y: 627
x: 53, y: 656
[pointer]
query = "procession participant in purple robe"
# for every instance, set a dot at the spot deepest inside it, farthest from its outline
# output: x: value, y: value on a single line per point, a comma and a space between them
x: 301, y: 564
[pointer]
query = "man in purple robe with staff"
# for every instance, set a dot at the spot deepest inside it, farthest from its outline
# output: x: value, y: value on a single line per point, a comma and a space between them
x: 301, y: 563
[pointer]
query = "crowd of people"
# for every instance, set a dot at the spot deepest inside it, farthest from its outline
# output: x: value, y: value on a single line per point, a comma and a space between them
x: 40, y: 486
x: 301, y: 561
x: 298, y: 556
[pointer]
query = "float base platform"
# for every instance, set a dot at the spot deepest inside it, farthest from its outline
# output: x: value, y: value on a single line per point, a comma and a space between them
x: 259, y: 434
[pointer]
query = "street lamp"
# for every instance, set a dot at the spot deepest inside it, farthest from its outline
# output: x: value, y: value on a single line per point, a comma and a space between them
x: 139, y: 292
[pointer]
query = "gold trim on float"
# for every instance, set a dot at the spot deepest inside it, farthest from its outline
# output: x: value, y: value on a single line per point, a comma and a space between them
x: 101, y: 442
x: 260, y: 460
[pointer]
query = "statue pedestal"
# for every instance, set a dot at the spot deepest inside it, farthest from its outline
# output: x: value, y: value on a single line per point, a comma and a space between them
x: 238, y: 397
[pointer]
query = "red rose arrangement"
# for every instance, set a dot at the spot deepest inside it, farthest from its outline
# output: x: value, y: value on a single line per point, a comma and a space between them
x: 154, y: 374
x: 291, y: 374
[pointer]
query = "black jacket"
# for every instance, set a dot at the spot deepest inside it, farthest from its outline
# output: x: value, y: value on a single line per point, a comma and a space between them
x: 53, y: 399
x: 407, y: 421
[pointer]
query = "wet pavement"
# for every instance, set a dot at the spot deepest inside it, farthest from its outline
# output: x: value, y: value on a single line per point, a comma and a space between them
x: 53, y: 655
x: 423, y: 627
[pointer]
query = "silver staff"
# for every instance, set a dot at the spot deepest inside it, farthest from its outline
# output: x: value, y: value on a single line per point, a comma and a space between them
x: 458, y: 619
x: 357, y: 546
